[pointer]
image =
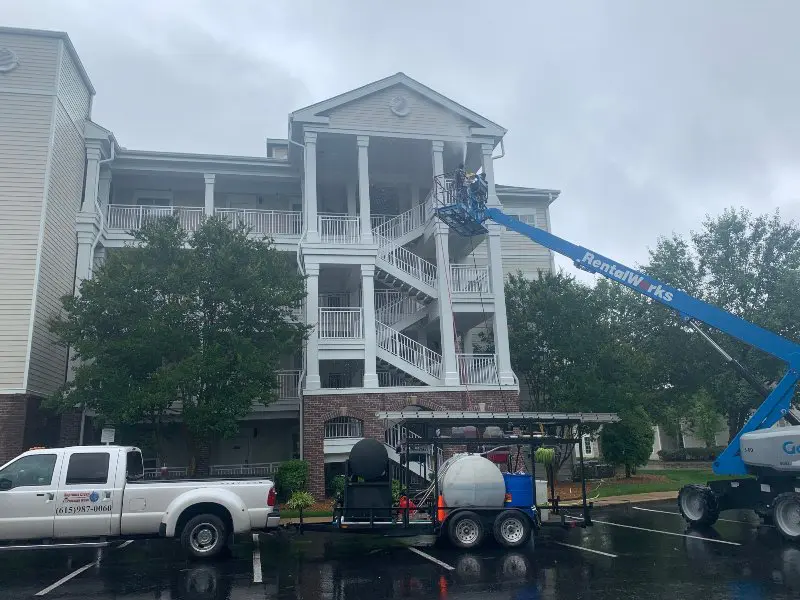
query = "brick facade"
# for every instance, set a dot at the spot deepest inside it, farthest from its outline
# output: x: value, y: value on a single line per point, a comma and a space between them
x: 319, y: 408
x: 13, y: 411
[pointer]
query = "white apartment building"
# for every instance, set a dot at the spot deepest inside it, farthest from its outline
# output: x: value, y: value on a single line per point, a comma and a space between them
x: 395, y: 298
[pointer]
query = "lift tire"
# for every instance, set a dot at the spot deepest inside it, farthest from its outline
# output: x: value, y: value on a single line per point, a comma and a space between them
x: 465, y: 530
x: 204, y: 536
x: 698, y: 505
x: 512, y: 529
x: 786, y: 515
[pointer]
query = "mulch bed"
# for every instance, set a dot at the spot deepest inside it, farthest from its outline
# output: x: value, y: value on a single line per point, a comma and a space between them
x: 569, y: 490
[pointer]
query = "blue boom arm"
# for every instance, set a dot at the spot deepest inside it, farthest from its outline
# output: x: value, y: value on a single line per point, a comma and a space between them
x: 776, y: 404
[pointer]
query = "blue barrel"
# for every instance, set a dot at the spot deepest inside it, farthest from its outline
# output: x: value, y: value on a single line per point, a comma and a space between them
x: 519, y: 490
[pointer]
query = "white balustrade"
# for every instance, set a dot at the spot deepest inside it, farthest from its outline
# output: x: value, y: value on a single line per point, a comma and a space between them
x: 403, y: 259
x: 408, y: 350
x: 478, y: 369
x: 334, y: 299
x: 246, y: 470
x: 377, y: 220
x: 469, y: 278
x: 394, y: 379
x: 343, y: 427
x: 172, y: 473
x: 340, y: 324
x: 268, y: 222
x: 288, y: 385
x: 384, y: 297
x: 402, y: 307
x: 401, y: 224
x: 133, y: 217
x: 339, y: 229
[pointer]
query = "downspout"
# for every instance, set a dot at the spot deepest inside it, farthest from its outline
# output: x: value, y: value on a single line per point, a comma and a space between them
x: 502, y: 151
x: 303, y: 273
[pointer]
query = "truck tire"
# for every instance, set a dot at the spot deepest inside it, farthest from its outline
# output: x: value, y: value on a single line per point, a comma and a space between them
x: 204, y: 536
x: 698, y: 505
x: 512, y: 529
x: 786, y: 515
x: 465, y: 530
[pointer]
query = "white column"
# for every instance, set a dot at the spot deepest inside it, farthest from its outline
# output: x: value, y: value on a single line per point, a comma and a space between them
x: 438, y: 163
x: 310, y: 191
x: 352, y: 205
x: 446, y: 328
x: 93, y: 155
x: 368, y: 315
x: 363, y: 188
x: 210, y: 178
x: 83, y: 263
x: 312, y: 318
x: 104, y: 188
x: 488, y: 168
x: 497, y: 281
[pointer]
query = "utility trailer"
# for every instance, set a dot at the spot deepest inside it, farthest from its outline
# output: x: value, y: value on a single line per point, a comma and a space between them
x: 367, y: 506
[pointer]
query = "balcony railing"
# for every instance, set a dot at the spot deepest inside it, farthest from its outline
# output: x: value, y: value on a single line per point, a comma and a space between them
x: 334, y: 299
x: 268, y: 222
x: 469, y: 278
x: 393, y: 379
x: 172, y: 473
x: 339, y: 229
x: 343, y: 427
x: 131, y: 218
x: 340, y: 324
x: 478, y: 369
x: 288, y: 385
x: 246, y: 470
x: 377, y: 220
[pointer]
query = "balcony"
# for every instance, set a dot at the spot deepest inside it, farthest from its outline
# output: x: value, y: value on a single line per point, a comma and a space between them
x: 266, y: 222
x: 478, y: 369
x: 133, y: 217
x: 339, y: 228
x: 469, y: 279
x: 340, y: 324
x: 288, y: 385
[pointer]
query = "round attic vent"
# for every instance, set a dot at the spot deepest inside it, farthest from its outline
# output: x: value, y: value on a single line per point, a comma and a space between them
x: 399, y: 106
x: 8, y: 60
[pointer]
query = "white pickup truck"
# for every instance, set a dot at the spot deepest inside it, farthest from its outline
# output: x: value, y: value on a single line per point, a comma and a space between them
x: 88, y: 495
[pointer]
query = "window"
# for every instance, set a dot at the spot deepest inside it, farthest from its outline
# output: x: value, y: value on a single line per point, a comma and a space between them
x: 588, y: 445
x: 31, y: 470
x: 88, y: 468
x: 134, y: 466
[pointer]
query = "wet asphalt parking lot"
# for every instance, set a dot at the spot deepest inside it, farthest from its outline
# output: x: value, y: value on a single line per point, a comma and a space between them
x: 635, y: 551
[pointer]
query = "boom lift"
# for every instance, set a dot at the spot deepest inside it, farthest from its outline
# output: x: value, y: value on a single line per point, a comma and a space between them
x: 770, y: 458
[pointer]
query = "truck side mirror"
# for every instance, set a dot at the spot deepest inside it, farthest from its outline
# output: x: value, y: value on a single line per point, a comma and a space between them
x: 6, y: 484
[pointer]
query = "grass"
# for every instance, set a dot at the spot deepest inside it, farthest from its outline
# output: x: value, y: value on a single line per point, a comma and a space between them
x: 668, y: 480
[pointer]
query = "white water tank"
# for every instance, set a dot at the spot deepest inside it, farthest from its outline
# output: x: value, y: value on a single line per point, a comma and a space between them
x: 472, y: 480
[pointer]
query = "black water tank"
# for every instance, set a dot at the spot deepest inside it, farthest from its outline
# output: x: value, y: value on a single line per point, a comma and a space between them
x: 368, y: 459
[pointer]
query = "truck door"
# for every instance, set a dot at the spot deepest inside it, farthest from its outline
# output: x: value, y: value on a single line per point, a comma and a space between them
x: 27, y: 497
x: 86, y: 495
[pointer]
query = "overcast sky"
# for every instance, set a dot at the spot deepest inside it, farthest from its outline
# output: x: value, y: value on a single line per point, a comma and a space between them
x: 646, y: 115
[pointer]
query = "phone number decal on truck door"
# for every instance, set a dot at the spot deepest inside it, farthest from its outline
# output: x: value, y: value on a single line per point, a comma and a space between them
x: 83, y: 509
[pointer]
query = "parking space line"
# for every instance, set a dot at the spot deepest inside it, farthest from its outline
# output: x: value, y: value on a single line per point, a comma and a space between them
x: 697, y: 537
x: 669, y: 512
x: 431, y: 558
x: 257, y: 574
x: 63, y: 580
x: 125, y: 544
x: 587, y: 549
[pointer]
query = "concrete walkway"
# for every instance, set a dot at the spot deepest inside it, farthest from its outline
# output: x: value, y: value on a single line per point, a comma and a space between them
x: 610, y: 501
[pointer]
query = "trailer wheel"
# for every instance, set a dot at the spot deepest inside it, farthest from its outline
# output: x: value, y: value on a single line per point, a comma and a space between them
x: 698, y: 505
x: 204, y: 536
x: 512, y: 529
x: 465, y: 530
x: 786, y: 514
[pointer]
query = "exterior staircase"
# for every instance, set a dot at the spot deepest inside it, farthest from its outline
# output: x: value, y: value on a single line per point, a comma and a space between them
x: 425, y: 466
x: 401, y: 313
x: 408, y: 355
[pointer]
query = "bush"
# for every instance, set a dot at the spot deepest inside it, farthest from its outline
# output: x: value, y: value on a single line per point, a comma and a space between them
x: 292, y: 476
x: 686, y: 454
x: 300, y: 501
x: 337, y: 487
x: 395, y: 491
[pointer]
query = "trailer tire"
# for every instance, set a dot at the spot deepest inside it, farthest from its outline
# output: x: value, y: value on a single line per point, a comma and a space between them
x: 512, y: 529
x: 698, y: 505
x: 465, y: 530
x: 786, y: 515
x: 204, y: 536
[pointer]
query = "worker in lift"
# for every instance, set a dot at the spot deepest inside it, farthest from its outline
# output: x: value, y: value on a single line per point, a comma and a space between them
x: 478, y: 192
x: 459, y: 184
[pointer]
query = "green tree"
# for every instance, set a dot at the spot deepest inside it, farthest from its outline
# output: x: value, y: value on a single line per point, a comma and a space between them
x: 747, y: 265
x: 703, y: 417
x: 628, y: 442
x: 192, y: 323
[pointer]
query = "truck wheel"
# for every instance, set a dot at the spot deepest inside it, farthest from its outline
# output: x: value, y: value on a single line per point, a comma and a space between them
x: 698, y: 505
x: 511, y: 529
x: 786, y: 514
x: 465, y: 530
x: 204, y: 536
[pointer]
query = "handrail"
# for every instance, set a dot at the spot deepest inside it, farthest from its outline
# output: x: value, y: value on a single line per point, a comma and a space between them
x: 408, y: 350
x: 406, y: 261
x: 402, y: 223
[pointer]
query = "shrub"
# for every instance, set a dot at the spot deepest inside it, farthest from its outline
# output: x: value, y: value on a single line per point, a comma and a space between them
x: 686, y: 454
x: 300, y: 501
x: 396, y: 491
x: 337, y: 487
x: 292, y: 476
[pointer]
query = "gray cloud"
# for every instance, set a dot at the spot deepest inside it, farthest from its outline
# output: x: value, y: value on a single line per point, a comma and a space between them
x: 645, y: 115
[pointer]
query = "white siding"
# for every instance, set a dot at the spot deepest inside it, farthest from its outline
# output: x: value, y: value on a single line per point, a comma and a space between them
x: 38, y: 64
x: 26, y: 109
x: 373, y: 114
x: 57, y: 262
